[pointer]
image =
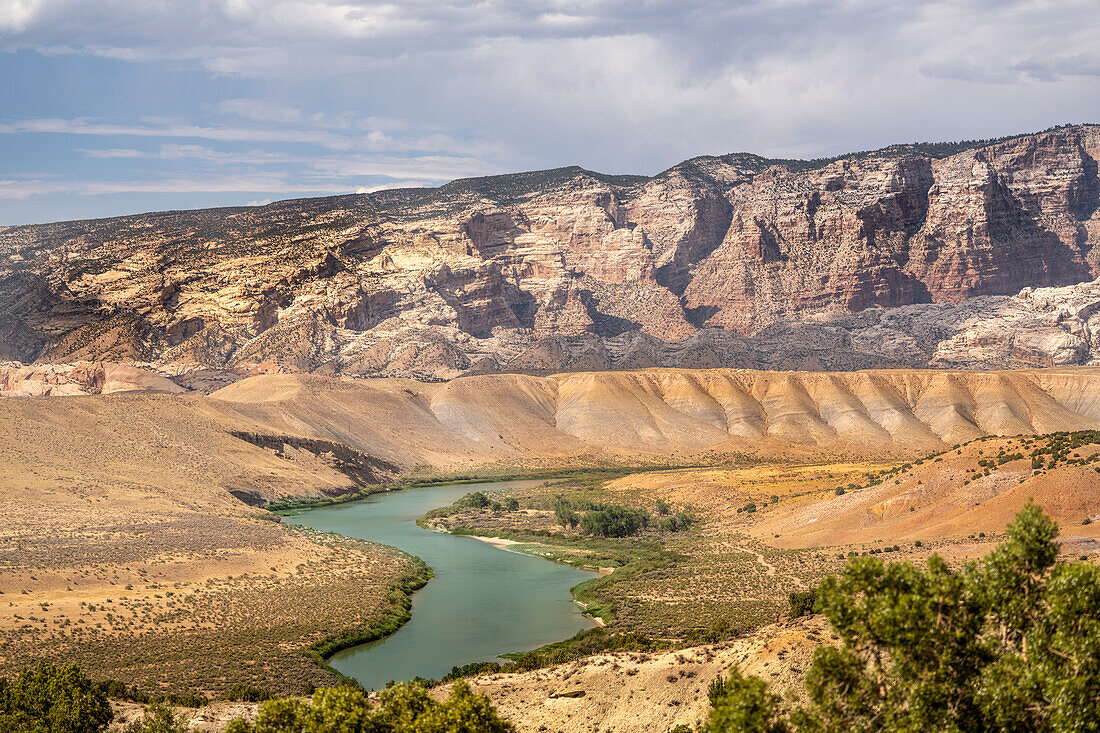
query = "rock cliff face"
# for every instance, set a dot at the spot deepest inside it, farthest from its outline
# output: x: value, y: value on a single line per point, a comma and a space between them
x: 872, y: 259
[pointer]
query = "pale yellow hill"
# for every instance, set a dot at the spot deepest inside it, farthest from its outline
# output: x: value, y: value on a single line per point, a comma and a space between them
x: 950, y: 496
x: 660, y: 412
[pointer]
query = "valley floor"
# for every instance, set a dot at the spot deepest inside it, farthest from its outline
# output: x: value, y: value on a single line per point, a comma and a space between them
x: 129, y: 544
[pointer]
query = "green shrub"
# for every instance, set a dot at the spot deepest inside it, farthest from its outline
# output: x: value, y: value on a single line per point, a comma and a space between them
x: 477, y: 500
x: 53, y: 699
x: 803, y: 602
x: 241, y: 692
x: 470, y: 670
x: 122, y: 691
x: 566, y: 516
x: 678, y: 523
x: 158, y: 718
x: 614, y: 521
x: 744, y: 705
x: 403, y: 708
x: 1008, y: 644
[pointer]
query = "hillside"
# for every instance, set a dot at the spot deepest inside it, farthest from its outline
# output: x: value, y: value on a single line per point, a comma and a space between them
x: 129, y: 547
x: 661, y: 413
x: 133, y: 521
x: 971, y: 490
x: 309, y: 434
x: 976, y: 255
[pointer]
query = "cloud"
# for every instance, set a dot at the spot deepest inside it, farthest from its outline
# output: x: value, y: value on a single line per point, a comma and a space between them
x: 351, y: 91
x: 104, y: 153
x: 394, y: 184
x: 276, y: 184
x: 375, y: 140
x: 15, y: 15
x: 263, y: 110
x: 431, y: 169
x: 83, y: 126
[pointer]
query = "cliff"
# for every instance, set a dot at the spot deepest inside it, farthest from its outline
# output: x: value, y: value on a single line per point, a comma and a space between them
x: 720, y: 261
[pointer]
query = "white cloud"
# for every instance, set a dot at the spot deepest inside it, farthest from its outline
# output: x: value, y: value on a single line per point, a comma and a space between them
x: 429, y: 169
x: 220, y: 184
x: 263, y: 110
x: 394, y: 184
x: 423, y: 90
x: 354, y: 138
x: 112, y: 153
x: 15, y: 15
x: 81, y: 126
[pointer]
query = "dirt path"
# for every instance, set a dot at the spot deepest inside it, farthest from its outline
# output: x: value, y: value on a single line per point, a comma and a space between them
x: 769, y: 569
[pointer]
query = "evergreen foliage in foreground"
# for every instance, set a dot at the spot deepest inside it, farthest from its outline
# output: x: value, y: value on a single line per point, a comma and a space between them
x: 1008, y: 644
x: 404, y: 708
x: 50, y: 699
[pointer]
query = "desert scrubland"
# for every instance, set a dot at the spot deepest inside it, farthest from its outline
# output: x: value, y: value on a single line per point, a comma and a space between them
x: 135, y: 540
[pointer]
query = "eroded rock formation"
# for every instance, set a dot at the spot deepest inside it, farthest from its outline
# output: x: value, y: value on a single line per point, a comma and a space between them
x: 902, y: 256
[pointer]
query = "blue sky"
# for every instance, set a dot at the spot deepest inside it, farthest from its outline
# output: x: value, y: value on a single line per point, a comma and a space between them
x: 122, y: 106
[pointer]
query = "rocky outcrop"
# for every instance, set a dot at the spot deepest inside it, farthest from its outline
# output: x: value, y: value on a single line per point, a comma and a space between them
x: 18, y: 380
x: 362, y: 469
x: 733, y: 260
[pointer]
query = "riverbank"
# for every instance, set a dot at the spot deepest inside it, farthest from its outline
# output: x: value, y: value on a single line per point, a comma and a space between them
x: 399, y: 594
x: 509, y: 546
x: 482, y: 602
x: 503, y: 543
x: 690, y: 581
x: 287, y: 506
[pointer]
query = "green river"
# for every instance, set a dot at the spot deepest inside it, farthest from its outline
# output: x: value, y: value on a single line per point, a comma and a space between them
x: 482, y: 602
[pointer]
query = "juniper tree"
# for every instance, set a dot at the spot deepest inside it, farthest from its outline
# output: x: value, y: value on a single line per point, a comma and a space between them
x: 1008, y: 644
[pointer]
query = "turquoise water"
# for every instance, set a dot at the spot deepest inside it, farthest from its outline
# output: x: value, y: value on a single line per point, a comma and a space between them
x: 482, y: 602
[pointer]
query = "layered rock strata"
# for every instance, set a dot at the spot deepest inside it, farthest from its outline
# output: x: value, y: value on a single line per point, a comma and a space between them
x: 719, y: 261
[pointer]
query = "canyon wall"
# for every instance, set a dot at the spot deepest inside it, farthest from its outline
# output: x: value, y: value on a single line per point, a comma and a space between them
x: 719, y: 261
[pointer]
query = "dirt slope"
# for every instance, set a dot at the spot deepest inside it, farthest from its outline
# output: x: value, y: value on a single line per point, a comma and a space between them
x: 974, y: 490
x: 661, y: 412
x: 185, y: 445
x: 127, y: 548
x: 630, y: 692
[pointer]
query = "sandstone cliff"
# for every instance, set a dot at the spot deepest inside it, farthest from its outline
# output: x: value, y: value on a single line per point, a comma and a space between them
x: 902, y: 256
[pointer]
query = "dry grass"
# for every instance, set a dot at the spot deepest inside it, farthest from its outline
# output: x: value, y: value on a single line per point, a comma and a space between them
x: 630, y: 692
x: 217, y: 609
x: 123, y: 550
x: 734, y: 570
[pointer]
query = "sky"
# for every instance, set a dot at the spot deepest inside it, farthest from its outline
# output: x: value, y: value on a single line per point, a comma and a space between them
x: 111, y: 107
